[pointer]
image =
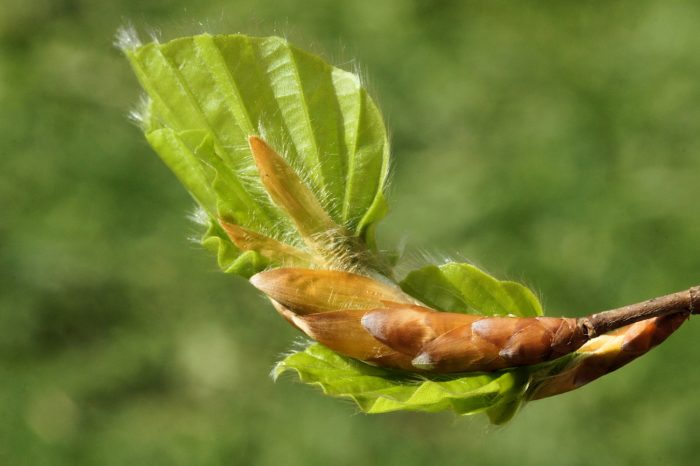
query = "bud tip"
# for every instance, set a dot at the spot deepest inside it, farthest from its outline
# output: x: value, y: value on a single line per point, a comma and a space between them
x: 372, y: 323
x: 258, y: 281
x: 423, y: 361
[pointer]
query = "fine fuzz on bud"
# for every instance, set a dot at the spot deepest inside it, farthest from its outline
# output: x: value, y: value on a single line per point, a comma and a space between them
x: 289, y: 192
x: 248, y: 240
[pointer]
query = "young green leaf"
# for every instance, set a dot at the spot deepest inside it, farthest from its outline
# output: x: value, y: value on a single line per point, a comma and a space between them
x: 462, y: 287
x: 377, y: 390
x: 208, y: 94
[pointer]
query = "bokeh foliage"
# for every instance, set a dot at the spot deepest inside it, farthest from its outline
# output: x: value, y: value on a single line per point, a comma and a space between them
x: 557, y: 143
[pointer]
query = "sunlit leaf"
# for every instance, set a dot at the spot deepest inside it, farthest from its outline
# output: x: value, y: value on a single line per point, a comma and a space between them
x: 207, y: 94
x: 462, y: 287
x: 377, y: 390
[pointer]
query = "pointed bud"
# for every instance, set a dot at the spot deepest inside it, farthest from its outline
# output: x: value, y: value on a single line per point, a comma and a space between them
x: 307, y: 291
x: 289, y: 192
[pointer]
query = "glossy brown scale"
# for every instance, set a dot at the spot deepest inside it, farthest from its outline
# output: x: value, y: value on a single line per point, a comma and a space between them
x: 342, y: 332
x: 608, y: 353
x: 451, y: 342
x: 408, y: 329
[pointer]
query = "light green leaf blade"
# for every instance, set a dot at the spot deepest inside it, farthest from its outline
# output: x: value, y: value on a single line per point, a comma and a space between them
x: 377, y: 390
x: 208, y: 94
x: 458, y: 287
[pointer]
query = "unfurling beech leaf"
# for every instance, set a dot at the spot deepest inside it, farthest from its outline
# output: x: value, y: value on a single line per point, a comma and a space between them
x: 208, y: 94
x: 287, y: 157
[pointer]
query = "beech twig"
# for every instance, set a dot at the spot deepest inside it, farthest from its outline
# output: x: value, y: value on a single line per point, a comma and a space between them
x: 603, y: 322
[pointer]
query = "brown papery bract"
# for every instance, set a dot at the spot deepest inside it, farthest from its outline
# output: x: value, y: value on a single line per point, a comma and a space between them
x: 494, y: 343
x: 608, y: 353
x: 342, y: 332
x: 453, y: 342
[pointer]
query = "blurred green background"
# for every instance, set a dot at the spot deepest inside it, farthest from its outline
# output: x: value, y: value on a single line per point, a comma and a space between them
x: 556, y: 143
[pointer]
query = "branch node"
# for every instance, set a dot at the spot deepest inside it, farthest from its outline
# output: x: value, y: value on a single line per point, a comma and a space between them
x: 587, y: 328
